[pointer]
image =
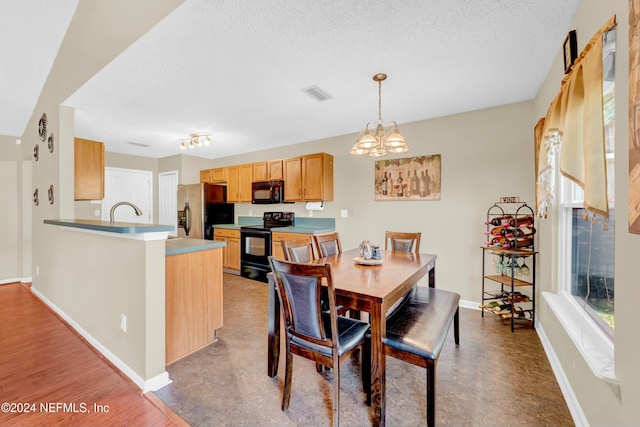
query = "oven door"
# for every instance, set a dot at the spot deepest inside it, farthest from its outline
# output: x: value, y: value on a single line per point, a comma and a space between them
x: 255, y: 248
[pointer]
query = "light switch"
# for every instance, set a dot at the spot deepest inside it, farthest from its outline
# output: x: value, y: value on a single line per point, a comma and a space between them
x: 344, y: 213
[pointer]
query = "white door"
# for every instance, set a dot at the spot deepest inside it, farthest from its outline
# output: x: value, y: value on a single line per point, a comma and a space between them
x: 168, y: 200
x: 128, y: 185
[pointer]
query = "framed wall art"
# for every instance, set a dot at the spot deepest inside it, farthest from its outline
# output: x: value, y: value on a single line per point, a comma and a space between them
x: 409, y: 178
x: 570, y: 49
x: 634, y: 118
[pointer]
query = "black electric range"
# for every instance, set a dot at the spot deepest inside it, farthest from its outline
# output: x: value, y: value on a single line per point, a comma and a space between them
x: 255, y: 244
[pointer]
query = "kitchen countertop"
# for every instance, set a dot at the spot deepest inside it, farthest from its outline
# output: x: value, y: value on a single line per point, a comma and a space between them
x: 105, y: 226
x: 183, y: 245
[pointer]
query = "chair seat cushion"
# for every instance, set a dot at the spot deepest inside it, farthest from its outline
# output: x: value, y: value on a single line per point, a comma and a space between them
x: 350, y: 334
x: 420, y: 325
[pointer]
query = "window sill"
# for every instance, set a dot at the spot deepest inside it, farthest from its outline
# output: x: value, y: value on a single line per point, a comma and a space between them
x: 592, y: 343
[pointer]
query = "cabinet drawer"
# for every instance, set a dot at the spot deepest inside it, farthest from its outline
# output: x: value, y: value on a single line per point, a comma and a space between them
x: 224, y: 232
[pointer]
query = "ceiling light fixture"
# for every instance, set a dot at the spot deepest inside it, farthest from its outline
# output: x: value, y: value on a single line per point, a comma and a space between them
x: 385, y: 139
x: 195, y: 140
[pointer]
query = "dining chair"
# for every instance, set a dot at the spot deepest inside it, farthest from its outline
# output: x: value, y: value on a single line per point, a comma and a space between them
x: 328, y: 244
x: 402, y: 242
x: 415, y: 333
x: 323, y: 337
x: 300, y: 250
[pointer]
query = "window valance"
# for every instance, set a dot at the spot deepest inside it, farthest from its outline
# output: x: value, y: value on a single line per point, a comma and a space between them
x: 574, y: 125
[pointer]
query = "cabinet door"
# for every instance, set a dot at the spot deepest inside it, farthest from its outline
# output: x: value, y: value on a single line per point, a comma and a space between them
x: 233, y: 254
x: 217, y: 175
x: 260, y: 172
x: 275, y: 172
x: 88, y: 170
x: 245, y: 178
x: 233, y: 184
x: 292, y: 179
x: 317, y: 177
x: 205, y: 176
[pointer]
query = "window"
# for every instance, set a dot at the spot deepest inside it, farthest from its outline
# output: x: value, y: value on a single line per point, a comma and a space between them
x: 587, y: 273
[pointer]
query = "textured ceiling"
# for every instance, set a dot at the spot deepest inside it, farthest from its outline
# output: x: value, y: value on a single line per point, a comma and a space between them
x: 235, y: 69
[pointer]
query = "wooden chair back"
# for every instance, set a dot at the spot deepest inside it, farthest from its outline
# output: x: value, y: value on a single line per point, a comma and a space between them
x: 300, y: 250
x: 328, y: 244
x: 402, y: 242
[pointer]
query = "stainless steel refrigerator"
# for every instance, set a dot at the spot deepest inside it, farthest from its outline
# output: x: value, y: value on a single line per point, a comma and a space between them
x: 199, y: 207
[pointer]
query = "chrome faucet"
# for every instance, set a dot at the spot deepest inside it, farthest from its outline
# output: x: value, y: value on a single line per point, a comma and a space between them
x: 113, y: 208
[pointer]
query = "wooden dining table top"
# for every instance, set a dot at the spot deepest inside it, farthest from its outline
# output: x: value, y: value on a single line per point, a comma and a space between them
x: 378, y: 284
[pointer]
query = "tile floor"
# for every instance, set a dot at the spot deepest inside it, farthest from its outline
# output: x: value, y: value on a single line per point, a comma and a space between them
x: 494, y: 378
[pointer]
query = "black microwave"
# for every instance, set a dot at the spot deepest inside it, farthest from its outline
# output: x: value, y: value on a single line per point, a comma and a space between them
x: 267, y: 192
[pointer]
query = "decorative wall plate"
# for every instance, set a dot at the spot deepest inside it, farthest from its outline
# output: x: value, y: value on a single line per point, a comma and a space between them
x: 36, y: 199
x: 36, y: 152
x: 50, y: 194
x: 42, y: 127
x: 50, y: 143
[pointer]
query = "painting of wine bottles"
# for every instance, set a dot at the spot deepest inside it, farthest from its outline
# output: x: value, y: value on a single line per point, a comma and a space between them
x: 409, y: 178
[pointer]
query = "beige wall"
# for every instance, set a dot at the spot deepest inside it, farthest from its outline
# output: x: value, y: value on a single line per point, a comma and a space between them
x: 98, y: 32
x: 10, y: 219
x: 599, y: 401
x: 485, y: 154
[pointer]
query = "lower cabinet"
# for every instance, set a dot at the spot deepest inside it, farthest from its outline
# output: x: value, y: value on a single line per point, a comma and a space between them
x: 193, y: 301
x: 230, y: 253
x: 276, y: 242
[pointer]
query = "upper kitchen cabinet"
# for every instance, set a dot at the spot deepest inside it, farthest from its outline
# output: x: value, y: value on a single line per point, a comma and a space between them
x: 212, y: 176
x: 267, y: 171
x: 88, y: 170
x: 308, y: 178
x: 239, y: 179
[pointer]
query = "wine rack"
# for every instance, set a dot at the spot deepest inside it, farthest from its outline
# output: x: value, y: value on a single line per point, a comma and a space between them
x: 508, y: 288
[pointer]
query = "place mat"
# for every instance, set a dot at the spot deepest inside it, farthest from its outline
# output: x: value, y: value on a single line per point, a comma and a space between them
x: 362, y: 261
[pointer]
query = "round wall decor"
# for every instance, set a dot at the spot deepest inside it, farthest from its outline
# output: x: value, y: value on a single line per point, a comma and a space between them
x: 36, y: 199
x: 42, y: 127
x: 50, y: 143
x: 36, y: 152
x: 50, y: 194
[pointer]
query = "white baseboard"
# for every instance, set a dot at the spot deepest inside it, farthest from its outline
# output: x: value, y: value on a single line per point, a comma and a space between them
x: 470, y: 304
x: 151, y: 384
x: 579, y: 419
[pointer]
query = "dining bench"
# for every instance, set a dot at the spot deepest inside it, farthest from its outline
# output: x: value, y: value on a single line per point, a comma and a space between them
x: 415, y: 333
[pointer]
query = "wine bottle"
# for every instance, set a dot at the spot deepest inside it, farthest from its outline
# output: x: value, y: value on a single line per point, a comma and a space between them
x: 524, y: 231
x: 415, y: 184
x: 407, y: 191
x: 501, y: 220
x: 423, y: 185
x: 498, y: 231
x: 390, y: 186
x: 498, y: 241
x: 385, y: 185
x: 516, y: 222
x: 517, y: 242
x: 400, y: 192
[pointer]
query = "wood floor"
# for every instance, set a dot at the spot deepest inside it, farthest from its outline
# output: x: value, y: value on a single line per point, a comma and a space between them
x: 50, y: 376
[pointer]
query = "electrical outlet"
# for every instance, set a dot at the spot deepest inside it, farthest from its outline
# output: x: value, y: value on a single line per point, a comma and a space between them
x: 344, y: 213
x: 96, y: 212
x: 37, y: 270
x: 123, y: 322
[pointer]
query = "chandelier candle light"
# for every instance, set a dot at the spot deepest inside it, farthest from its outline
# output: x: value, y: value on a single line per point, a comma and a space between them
x: 384, y: 139
x: 195, y: 140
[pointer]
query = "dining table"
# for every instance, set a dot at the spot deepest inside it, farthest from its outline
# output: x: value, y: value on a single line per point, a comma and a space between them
x: 365, y: 286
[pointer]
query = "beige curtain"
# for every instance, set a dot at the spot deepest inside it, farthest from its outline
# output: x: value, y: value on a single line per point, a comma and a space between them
x: 576, y: 118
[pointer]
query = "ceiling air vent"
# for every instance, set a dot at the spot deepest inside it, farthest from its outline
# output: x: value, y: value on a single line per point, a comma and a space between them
x: 317, y: 93
x: 139, y: 144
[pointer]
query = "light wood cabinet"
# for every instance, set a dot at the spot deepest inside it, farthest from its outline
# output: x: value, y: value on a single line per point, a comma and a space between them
x: 230, y: 253
x: 193, y: 309
x: 88, y: 170
x: 278, y: 237
x: 267, y: 171
x: 308, y: 178
x: 239, y: 179
x: 212, y: 176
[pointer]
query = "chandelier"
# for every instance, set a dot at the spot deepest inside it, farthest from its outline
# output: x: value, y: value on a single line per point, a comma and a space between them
x: 195, y: 140
x: 384, y: 139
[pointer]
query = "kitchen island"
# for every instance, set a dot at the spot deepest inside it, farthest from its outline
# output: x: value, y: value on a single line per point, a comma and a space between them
x: 193, y: 277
